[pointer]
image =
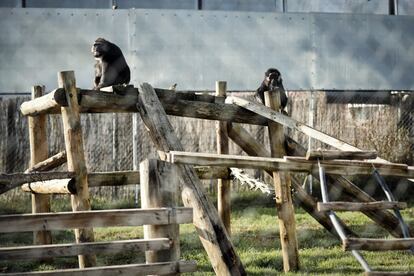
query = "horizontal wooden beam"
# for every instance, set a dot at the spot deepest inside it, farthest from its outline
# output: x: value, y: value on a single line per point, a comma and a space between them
x: 360, y: 206
x: 73, y: 249
x: 11, y: 181
x: 117, y: 178
x: 99, y: 218
x: 56, y: 186
x: 377, y: 244
x: 336, y: 154
x: 290, y: 164
x: 166, y: 268
x: 185, y: 104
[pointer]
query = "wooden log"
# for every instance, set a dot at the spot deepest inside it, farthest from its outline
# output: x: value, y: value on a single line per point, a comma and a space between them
x: 223, y: 185
x: 335, y: 154
x: 76, y: 159
x: 288, y: 164
x: 159, y: 188
x: 359, y: 206
x: 99, y: 218
x: 57, y: 186
x: 130, y: 269
x: 282, y: 184
x: 211, y: 230
x: 50, y: 163
x: 13, y: 180
x: 39, y: 152
x: 377, y: 244
x: 101, y: 179
x: 73, y: 249
x: 177, y: 104
x: 250, y: 145
x: 46, y: 104
x: 118, y: 178
x: 244, y: 140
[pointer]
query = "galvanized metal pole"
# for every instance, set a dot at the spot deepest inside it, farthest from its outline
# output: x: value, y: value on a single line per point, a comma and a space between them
x: 335, y: 221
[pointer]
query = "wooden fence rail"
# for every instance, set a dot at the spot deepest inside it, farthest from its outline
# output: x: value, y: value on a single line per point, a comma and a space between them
x: 100, y: 218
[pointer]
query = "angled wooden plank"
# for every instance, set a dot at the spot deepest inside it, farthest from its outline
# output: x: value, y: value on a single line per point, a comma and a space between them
x: 99, y: 218
x: 73, y: 249
x: 377, y: 244
x: 359, y: 206
x: 49, y: 164
x: 131, y: 269
x: 210, y: 228
x: 291, y: 123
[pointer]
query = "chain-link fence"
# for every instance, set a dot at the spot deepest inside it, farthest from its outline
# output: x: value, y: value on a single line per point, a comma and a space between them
x: 108, y: 138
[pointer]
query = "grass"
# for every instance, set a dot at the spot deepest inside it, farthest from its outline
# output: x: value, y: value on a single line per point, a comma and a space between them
x: 254, y: 234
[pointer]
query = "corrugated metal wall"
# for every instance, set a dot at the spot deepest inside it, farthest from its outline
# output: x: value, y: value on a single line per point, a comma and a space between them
x: 196, y: 48
x: 405, y: 7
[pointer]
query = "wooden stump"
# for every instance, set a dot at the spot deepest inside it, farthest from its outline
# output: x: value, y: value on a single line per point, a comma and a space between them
x: 286, y: 212
x: 223, y: 185
x: 159, y: 188
x: 76, y: 159
x: 38, y: 153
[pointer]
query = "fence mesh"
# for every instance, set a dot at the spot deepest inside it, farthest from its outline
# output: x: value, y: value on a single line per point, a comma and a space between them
x: 386, y: 128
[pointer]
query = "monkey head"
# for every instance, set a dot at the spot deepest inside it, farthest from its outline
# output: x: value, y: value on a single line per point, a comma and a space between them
x: 273, y: 79
x: 100, y: 47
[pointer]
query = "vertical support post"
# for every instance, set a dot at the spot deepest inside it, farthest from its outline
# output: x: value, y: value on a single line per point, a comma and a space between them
x: 38, y: 153
x: 286, y: 213
x: 135, y: 163
x: 223, y: 185
x: 76, y: 159
x: 159, y: 188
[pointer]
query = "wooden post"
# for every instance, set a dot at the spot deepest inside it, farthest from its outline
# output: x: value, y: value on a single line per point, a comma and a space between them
x: 212, y: 233
x: 76, y: 159
x: 38, y: 153
x: 286, y: 212
x: 159, y: 188
x: 223, y: 185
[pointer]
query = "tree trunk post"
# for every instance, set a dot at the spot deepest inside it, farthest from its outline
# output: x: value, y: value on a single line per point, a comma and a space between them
x: 286, y: 212
x: 223, y: 185
x: 38, y: 153
x: 159, y: 189
x: 76, y: 159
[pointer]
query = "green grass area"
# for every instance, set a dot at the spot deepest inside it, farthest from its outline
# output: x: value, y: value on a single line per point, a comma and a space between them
x: 254, y: 233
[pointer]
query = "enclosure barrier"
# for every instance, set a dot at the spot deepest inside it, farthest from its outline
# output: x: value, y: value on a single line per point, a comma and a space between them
x: 155, y: 104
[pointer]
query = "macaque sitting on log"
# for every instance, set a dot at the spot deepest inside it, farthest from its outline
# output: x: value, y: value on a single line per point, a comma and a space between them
x: 111, y: 67
x: 272, y: 81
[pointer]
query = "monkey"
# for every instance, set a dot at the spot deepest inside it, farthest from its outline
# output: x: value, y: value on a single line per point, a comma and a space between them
x: 111, y: 67
x: 272, y: 81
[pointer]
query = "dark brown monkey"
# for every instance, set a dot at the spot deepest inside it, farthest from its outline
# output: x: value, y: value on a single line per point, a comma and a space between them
x: 111, y: 67
x: 272, y: 81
